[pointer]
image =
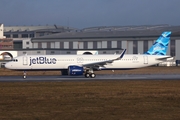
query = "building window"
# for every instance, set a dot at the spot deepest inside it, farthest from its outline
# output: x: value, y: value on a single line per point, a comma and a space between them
x: 114, y: 44
x: 27, y: 43
x: 15, y: 35
x: 31, y: 35
x: 90, y: 45
x: 75, y: 45
x: 41, y: 34
x: 66, y: 45
x: 8, y: 35
x: 80, y: 45
x: 99, y: 44
x: 24, y: 35
x: 68, y: 52
x: 104, y: 44
x: 52, y: 52
x: 38, y: 52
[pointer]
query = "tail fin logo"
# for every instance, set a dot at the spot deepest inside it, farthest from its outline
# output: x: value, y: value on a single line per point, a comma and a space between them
x: 165, y: 34
x: 159, y: 48
x: 161, y: 45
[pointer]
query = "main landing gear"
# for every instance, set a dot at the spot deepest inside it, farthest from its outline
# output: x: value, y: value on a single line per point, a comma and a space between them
x: 24, y: 74
x: 90, y: 73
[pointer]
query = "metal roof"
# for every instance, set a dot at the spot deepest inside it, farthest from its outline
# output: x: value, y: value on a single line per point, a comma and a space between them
x: 114, y: 32
x: 34, y: 28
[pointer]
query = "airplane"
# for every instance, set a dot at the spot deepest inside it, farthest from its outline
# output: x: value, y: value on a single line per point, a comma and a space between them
x: 75, y: 65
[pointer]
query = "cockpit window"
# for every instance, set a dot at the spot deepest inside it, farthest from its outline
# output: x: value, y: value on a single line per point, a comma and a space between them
x: 15, y: 60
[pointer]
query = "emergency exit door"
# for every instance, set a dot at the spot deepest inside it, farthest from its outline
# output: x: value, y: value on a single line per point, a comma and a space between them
x: 145, y: 59
x: 25, y: 60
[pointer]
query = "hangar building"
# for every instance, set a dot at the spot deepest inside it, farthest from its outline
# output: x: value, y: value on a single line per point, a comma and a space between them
x: 136, y: 39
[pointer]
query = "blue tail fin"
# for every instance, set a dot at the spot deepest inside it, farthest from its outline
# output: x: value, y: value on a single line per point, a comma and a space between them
x: 161, y: 45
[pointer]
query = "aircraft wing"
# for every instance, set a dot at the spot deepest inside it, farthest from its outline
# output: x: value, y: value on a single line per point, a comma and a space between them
x: 102, y: 63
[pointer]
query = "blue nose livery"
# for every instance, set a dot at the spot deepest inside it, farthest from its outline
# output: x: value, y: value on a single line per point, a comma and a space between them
x: 42, y: 60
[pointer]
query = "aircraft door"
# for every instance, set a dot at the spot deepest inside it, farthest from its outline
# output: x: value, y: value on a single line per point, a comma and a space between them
x: 25, y: 60
x: 145, y: 59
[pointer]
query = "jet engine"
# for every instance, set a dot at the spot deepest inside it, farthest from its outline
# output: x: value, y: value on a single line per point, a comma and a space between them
x: 75, y: 70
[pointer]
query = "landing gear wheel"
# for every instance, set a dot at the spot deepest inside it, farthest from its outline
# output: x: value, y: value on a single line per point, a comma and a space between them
x: 87, y: 75
x: 92, y: 75
x: 24, y: 74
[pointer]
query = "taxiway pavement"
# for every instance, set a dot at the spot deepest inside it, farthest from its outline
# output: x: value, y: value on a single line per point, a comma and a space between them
x: 98, y: 77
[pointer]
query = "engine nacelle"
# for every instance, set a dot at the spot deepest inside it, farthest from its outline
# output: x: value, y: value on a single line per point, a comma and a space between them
x: 75, y: 70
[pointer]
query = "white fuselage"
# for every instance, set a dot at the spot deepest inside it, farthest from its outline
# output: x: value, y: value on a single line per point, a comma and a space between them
x: 60, y: 62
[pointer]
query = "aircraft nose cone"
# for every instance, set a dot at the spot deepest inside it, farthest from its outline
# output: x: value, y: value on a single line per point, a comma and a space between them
x: 8, y: 65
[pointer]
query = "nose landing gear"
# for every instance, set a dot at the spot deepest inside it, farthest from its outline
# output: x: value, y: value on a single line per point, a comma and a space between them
x: 24, y: 74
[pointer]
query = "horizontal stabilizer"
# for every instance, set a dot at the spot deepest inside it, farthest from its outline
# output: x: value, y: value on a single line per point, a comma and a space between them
x: 164, y: 58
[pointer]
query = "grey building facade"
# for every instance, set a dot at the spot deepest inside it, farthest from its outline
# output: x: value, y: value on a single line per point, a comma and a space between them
x: 137, y: 40
x: 105, y: 40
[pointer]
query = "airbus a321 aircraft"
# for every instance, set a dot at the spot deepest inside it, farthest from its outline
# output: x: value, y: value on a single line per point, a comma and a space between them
x: 86, y: 64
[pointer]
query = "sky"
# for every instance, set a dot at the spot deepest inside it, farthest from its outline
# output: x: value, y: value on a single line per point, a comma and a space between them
x: 89, y: 13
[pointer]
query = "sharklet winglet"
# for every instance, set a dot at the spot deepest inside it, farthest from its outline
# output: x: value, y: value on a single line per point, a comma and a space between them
x: 121, y: 56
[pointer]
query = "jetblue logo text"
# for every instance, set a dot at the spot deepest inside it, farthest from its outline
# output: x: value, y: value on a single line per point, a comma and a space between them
x: 42, y: 60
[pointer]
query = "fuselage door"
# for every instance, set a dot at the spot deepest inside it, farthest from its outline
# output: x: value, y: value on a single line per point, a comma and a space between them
x: 145, y: 59
x: 25, y: 60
